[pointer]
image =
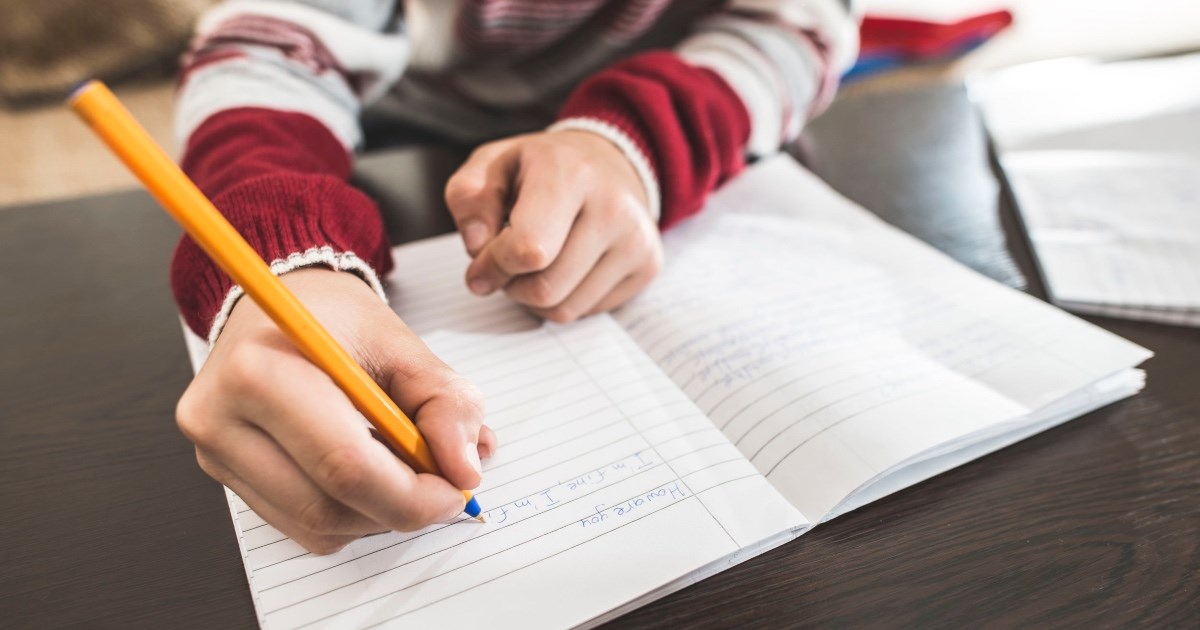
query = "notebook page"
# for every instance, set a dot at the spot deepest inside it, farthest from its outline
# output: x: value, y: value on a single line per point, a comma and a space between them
x: 608, y: 485
x: 831, y: 348
x: 1114, y: 229
x: 1099, y: 394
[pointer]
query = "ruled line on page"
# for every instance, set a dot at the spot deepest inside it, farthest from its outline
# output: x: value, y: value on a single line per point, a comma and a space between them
x: 829, y: 346
x: 545, y: 436
x: 736, y: 479
x: 559, y: 552
x: 492, y: 531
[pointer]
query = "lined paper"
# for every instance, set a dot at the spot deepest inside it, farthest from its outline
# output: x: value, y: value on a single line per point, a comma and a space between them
x: 1116, y: 233
x: 608, y: 484
x: 832, y: 349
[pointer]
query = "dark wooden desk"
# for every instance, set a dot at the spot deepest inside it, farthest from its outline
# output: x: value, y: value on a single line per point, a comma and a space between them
x: 105, y: 520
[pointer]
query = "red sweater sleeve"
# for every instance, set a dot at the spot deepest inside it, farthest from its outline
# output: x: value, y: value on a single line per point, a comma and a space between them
x: 688, y: 123
x: 282, y: 179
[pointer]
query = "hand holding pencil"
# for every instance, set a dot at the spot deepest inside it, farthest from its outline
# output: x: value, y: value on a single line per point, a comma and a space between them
x: 273, y: 411
x: 271, y: 426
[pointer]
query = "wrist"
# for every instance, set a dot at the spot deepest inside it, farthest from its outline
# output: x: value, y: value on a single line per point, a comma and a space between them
x: 321, y: 281
x: 326, y: 293
x: 298, y: 269
x: 635, y: 157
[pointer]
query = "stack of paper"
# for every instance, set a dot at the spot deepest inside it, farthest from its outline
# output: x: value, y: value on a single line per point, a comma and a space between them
x: 1116, y: 233
x: 1104, y: 163
x: 797, y: 358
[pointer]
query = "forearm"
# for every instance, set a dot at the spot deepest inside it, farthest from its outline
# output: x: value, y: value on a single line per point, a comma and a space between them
x: 282, y: 180
x: 268, y: 109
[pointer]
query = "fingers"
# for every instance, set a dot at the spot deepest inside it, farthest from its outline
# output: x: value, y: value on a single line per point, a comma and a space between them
x: 256, y: 459
x: 548, y: 201
x: 318, y: 543
x: 578, y: 203
x: 622, y: 293
x: 478, y: 194
x: 611, y: 283
x: 487, y: 442
x: 609, y: 272
x: 586, y: 243
x: 329, y: 441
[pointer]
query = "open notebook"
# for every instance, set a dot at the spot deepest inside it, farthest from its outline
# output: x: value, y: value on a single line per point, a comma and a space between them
x: 797, y: 359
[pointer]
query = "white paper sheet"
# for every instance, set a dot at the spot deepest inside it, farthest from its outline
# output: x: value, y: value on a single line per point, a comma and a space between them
x: 1116, y: 233
x: 831, y: 348
x: 1137, y: 105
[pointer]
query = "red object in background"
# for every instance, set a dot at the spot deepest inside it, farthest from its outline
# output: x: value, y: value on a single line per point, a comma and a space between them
x: 913, y: 39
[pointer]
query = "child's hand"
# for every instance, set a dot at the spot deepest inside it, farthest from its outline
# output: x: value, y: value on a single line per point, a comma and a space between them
x: 274, y: 428
x: 578, y: 238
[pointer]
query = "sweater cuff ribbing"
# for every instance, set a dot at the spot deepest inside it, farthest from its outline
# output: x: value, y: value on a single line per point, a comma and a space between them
x: 686, y: 121
x: 292, y: 219
x: 313, y: 257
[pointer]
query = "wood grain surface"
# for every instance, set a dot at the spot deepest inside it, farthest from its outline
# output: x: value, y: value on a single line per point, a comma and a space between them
x: 105, y: 520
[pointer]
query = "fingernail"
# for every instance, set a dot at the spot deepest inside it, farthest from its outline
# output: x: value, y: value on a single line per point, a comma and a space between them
x: 474, y: 234
x: 471, y: 450
x: 480, y: 287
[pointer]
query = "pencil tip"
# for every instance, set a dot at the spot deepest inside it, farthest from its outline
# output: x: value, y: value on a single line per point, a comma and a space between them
x: 77, y: 88
x: 481, y: 519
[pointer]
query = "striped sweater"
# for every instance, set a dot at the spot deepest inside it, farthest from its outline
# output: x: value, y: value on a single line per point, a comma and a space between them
x: 272, y: 91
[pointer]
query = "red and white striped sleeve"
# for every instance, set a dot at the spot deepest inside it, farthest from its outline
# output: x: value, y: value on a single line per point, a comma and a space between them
x: 742, y: 85
x: 267, y: 113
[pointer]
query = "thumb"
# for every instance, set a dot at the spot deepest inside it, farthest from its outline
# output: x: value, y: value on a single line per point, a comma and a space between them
x: 478, y: 194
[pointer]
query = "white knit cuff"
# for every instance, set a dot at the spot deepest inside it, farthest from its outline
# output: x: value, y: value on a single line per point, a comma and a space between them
x: 613, y: 134
x: 316, y: 256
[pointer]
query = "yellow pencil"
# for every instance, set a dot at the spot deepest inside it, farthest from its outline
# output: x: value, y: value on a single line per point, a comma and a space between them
x: 101, y: 110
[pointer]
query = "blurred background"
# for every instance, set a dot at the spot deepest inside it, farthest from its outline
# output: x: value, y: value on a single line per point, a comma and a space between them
x: 48, y: 46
